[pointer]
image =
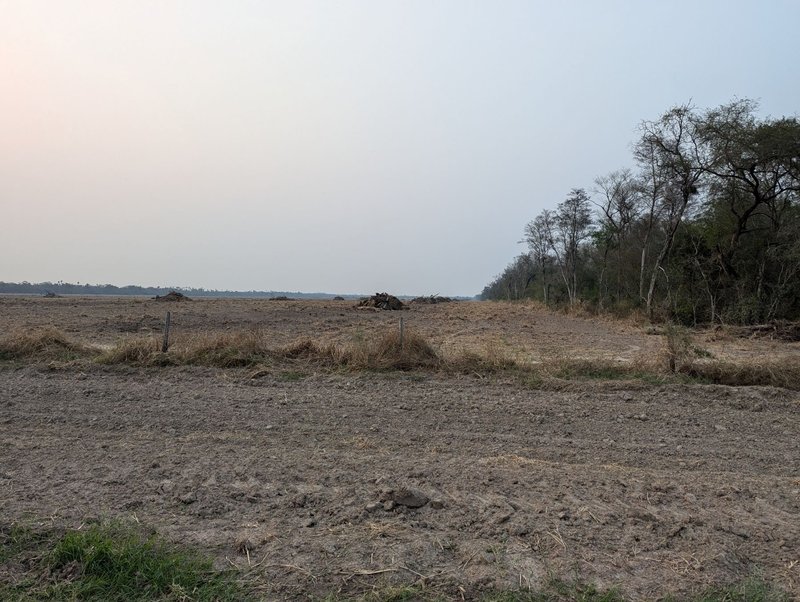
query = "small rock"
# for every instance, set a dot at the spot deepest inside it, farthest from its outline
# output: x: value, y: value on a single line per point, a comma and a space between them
x: 410, y: 498
x: 437, y: 504
x: 389, y: 505
x: 372, y: 506
x: 309, y: 523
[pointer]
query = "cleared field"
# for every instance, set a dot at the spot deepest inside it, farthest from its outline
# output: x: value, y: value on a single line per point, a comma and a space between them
x: 309, y: 479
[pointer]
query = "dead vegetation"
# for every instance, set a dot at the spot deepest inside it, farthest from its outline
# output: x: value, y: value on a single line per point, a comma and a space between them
x: 133, y: 350
x: 682, y: 358
x: 431, y: 300
x: 41, y: 344
x: 779, y: 330
x: 381, y: 301
x: 172, y: 296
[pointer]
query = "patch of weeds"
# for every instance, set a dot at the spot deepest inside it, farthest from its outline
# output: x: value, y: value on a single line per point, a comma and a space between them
x: 108, y: 561
x: 753, y: 589
x: 15, y: 538
x: 679, y: 346
x: 582, y: 592
x: 291, y: 376
x: 405, y: 593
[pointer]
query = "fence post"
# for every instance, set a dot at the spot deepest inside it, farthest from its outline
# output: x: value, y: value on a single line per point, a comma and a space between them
x: 402, y: 328
x: 165, y: 344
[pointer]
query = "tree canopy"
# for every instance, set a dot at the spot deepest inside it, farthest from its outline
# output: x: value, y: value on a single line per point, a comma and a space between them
x: 704, y: 227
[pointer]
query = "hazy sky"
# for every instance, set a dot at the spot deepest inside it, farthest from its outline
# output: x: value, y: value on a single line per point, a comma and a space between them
x: 340, y: 146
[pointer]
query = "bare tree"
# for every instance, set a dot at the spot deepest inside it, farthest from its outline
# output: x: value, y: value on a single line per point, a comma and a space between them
x: 673, y: 142
x: 619, y: 208
x: 572, y: 222
x: 538, y: 236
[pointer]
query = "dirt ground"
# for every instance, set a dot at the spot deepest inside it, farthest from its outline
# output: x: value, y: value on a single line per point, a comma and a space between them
x: 310, y: 482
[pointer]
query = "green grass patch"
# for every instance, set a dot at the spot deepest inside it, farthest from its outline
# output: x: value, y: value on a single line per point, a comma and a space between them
x: 109, y: 561
x: 753, y: 589
x: 291, y: 376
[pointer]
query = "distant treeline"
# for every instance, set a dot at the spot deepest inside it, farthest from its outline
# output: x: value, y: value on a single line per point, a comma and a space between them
x: 66, y: 288
x: 704, y: 228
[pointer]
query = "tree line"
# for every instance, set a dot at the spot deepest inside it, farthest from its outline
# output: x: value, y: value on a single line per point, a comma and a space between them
x: 704, y: 227
x: 67, y: 288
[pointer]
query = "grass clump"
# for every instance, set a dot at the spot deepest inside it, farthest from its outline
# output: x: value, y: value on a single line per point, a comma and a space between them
x: 490, y: 361
x: 227, y: 350
x: 138, y: 351
x: 785, y: 374
x: 43, y: 344
x: 389, y: 352
x: 306, y: 349
x: 114, y: 562
x: 601, y: 369
x: 753, y: 589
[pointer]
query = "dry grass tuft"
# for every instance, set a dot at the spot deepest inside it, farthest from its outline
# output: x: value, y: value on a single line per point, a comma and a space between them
x: 141, y: 350
x: 43, y: 344
x: 784, y: 374
x: 306, y: 349
x: 387, y: 353
x: 491, y: 361
x: 239, y: 349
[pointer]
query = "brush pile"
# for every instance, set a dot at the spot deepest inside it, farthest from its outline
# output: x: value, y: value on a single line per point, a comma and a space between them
x: 432, y: 300
x: 172, y: 296
x: 381, y: 301
x: 779, y: 329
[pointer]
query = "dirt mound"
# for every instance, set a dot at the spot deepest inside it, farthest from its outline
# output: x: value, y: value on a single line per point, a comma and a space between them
x: 172, y: 296
x: 381, y: 301
x: 432, y: 300
x: 282, y: 298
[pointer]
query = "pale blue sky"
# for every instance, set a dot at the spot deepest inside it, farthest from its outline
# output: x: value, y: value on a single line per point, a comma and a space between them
x: 348, y: 146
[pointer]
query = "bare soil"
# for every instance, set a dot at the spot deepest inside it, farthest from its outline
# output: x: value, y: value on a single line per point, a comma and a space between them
x: 304, y: 479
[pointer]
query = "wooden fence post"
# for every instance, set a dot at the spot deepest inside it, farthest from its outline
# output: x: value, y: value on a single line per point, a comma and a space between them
x: 165, y: 344
x: 402, y: 328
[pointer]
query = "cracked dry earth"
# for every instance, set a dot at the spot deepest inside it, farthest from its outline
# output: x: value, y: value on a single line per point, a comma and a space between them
x: 305, y: 482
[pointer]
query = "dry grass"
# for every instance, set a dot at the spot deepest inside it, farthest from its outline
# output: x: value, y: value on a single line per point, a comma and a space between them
x: 42, y: 344
x: 491, y: 359
x: 138, y: 350
x: 784, y: 373
x: 389, y: 353
x: 238, y: 349
x: 306, y: 349
x: 385, y: 352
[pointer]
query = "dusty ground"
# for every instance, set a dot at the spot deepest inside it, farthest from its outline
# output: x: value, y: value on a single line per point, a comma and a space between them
x: 650, y: 488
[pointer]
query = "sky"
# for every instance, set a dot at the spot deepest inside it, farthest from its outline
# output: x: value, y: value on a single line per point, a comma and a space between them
x: 348, y: 146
